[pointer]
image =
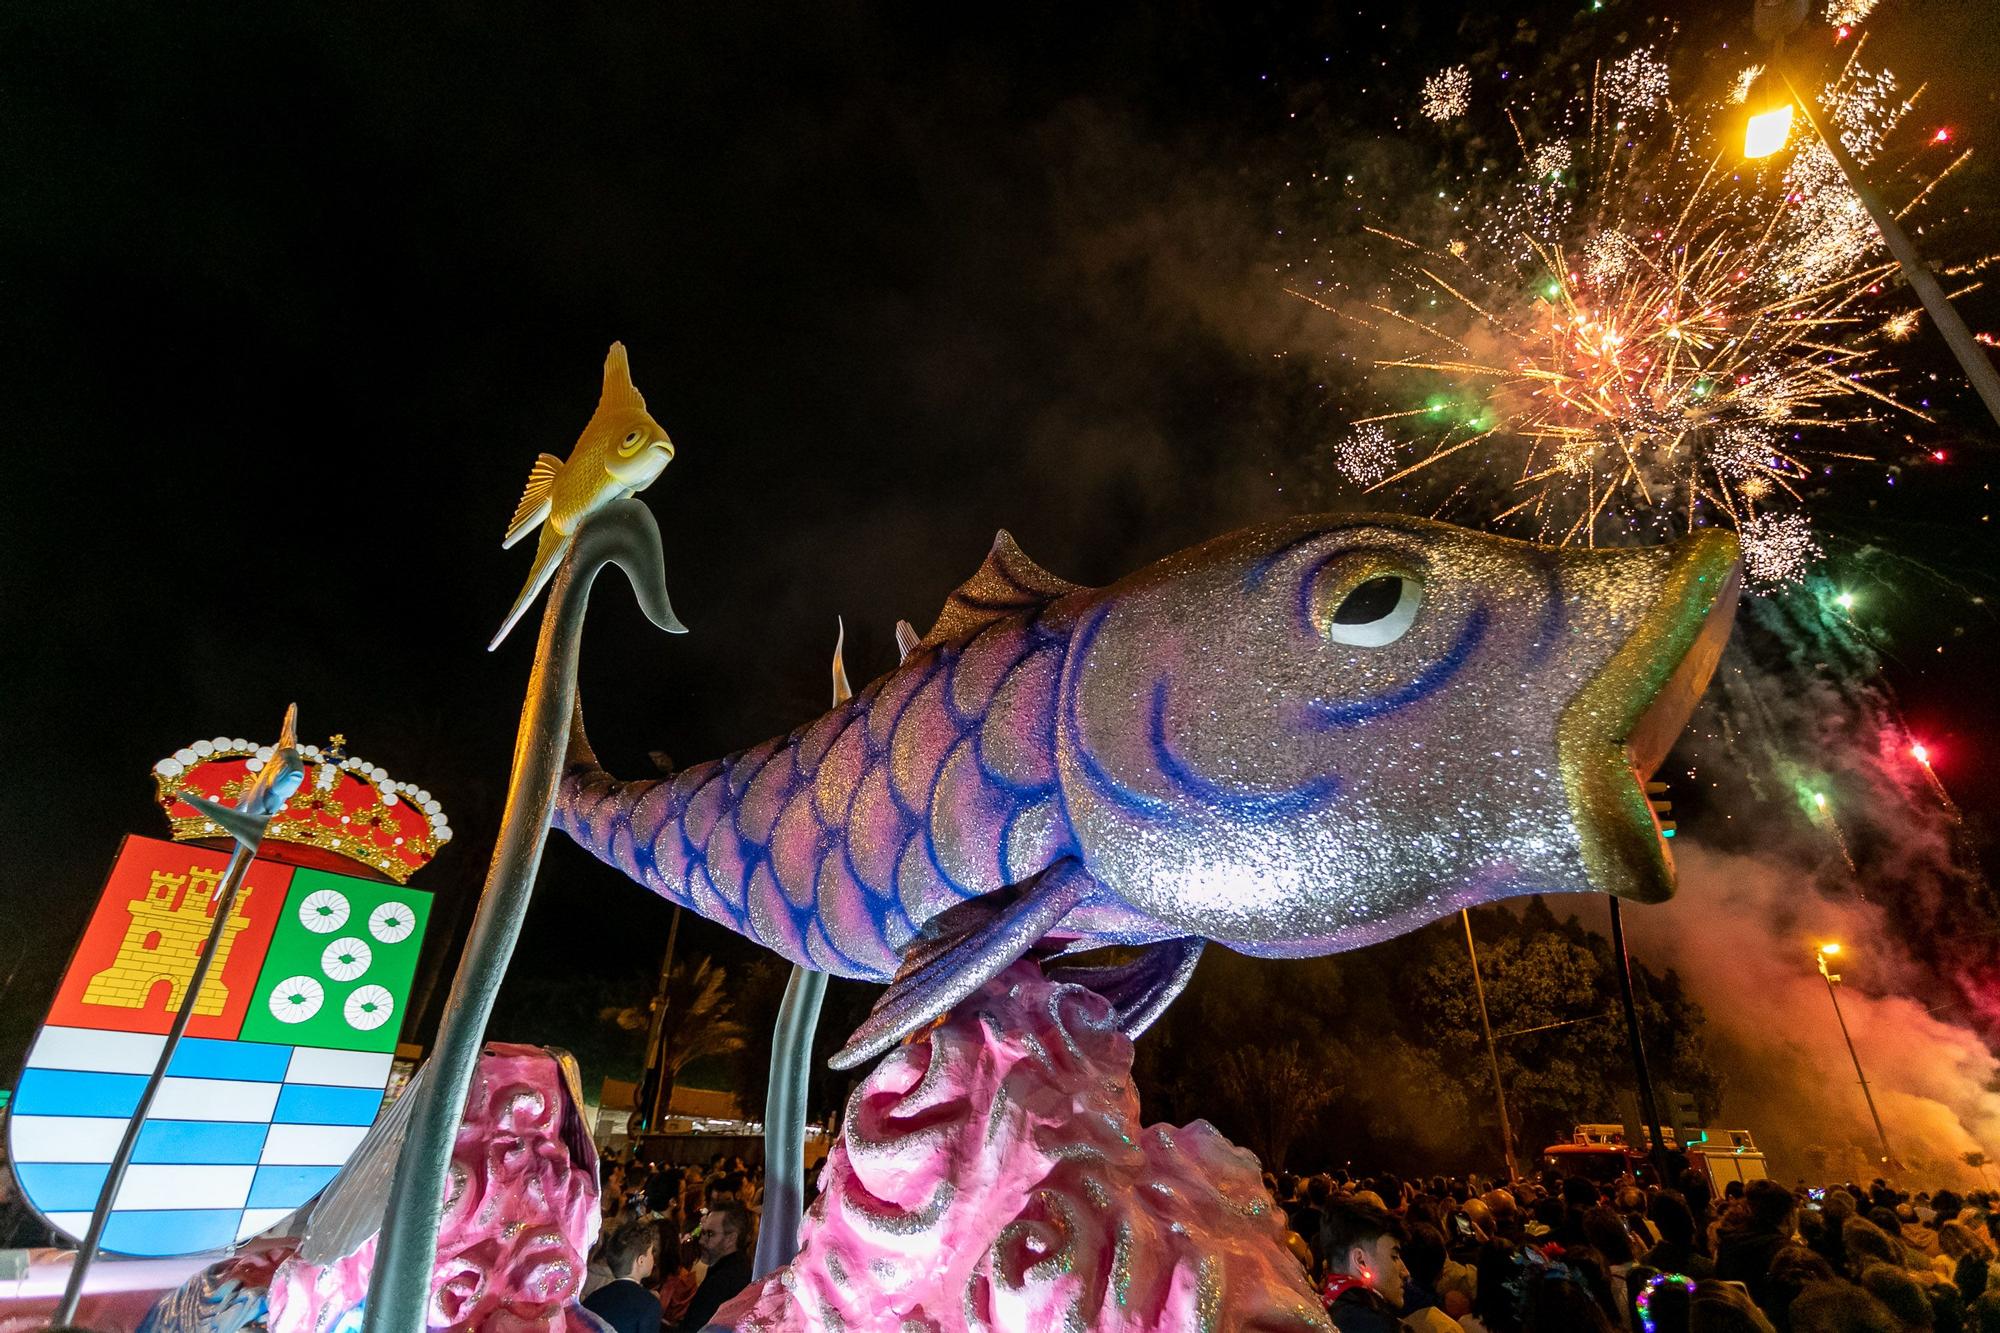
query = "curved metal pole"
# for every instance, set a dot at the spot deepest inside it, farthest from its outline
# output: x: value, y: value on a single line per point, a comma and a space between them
x: 785, y: 1121
x: 623, y: 534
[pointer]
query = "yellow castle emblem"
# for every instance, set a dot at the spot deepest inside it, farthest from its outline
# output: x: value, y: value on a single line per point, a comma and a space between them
x: 163, y: 941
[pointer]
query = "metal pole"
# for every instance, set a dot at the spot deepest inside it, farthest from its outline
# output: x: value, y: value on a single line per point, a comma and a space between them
x: 1971, y: 358
x: 114, y: 1176
x: 785, y: 1122
x: 655, y: 1045
x: 1888, y: 1159
x: 624, y: 534
x: 1647, y: 1106
x: 1492, y: 1051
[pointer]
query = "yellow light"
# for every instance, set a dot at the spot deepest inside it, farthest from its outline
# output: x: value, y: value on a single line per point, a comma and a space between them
x: 1767, y: 131
x: 1829, y: 949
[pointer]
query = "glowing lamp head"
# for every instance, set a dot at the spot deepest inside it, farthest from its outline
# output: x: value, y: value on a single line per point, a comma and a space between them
x: 1829, y: 950
x: 1767, y: 131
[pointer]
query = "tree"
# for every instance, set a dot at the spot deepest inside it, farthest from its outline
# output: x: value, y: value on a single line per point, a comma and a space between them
x: 587, y: 1014
x: 1273, y: 1091
x: 1977, y: 1161
x: 697, y: 1022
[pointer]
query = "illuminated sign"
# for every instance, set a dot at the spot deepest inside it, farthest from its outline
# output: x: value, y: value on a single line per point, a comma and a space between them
x: 280, y: 1074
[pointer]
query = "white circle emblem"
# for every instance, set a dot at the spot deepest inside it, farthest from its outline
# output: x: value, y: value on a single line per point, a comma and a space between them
x: 296, y: 999
x: 323, y: 912
x: 369, y: 1008
x: 346, y: 958
x: 391, y: 923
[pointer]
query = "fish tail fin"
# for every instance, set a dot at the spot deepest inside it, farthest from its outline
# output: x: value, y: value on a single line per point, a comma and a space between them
x: 547, y: 556
x: 535, y: 500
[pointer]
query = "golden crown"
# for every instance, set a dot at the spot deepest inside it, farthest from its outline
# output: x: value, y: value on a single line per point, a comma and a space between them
x: 347, y: 806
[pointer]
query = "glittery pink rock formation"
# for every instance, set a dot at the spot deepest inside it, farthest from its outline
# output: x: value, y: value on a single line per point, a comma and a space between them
x: 518, y: 1224
x: 993, y: 1175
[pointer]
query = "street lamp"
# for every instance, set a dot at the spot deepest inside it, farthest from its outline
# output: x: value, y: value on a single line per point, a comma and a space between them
x: 1771, y: 100
x: 1832, y: 950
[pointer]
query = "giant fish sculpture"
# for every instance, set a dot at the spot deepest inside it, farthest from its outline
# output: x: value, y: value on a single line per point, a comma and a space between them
x: 1297, y: 739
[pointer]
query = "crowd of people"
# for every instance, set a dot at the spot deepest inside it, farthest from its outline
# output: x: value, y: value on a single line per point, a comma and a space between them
x: 1572, y: 1256
x: 675, y: 1245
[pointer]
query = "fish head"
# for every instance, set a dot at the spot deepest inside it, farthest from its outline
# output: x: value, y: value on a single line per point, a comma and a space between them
x: 622, y: 437
x: 1324, y: 732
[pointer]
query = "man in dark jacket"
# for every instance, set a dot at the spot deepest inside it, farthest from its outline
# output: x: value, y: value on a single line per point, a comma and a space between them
x: 624, y: 1303
x: 1363, y: 1249
x: 1744, y: 1253
x: 725, y: 1247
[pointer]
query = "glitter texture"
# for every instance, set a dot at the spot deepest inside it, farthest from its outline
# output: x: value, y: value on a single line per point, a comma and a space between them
x: 1144, y: 1233
x: 1224, y: 758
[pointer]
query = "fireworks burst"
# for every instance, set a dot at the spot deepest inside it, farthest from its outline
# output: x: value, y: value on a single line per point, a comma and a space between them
x: 1631, y: 338
x: 1740, y: 91
x: 1779, y: 548
x: 1448, y: 93
x: 1366, y: 456
x: 1847, y: 13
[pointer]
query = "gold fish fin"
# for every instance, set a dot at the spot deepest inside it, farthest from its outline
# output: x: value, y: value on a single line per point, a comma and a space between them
x: 1007, y: 584
x: 534, y: 506
x: 547, y: 556
x: 619, y: 396
x: 907, y: 639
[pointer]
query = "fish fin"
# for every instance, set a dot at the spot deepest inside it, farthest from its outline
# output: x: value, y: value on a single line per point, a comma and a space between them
x: 842, y: 691
x: 618, y: 395
x: 907, y: 639
x: 1007, y: 584
x: 534, y: 506
x: 547, y: 556
x: 961, y: 950
x: 1140, y: 990
x: 241, y: 825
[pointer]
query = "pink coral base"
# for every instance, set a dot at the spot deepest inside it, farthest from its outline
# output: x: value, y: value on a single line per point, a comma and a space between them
x: 994, y: 1175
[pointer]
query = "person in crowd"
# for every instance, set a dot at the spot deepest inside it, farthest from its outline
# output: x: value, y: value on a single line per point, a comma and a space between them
x: 1840, y: 1307
x: 675, y: 1280
x: 1793, y: 1269
x: 1424, y: 1256
x: 1676, y: 1251
x: 725, y: 1238
x: 1724, y: 1307
x: 624, y: 1303
x: 1915, y: 1234
x: 1744, y: 1248
x: 1308, y: 1210
x: 1363, y: 1249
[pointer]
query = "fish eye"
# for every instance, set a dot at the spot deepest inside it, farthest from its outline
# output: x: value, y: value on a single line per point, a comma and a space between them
x: 1377, y: 613
x: 634, y: 442
x: 1363, y: 601
x: 634, y: 437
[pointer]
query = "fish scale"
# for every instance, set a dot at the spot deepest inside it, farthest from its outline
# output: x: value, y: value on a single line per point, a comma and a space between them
x: 834, y: 844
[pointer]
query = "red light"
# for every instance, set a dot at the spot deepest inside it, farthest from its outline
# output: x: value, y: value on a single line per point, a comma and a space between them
x: 1921, y: 754
x: 1942, y: 136
x: 1841, y: 34
x: 1937, y: 455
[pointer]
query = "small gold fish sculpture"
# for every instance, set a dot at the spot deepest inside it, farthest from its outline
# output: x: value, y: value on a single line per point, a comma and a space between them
x: 622, y: 451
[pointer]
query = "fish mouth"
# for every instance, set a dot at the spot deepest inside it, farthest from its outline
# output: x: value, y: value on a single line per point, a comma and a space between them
x: 1616, y: 732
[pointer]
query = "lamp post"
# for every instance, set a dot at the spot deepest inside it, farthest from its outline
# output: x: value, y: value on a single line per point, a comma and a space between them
x: 1824, y: 952
x: 1770, y: 102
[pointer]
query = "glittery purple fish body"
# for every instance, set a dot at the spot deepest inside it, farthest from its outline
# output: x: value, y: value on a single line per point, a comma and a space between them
x: 1295, y: 739
x: 833, y: 845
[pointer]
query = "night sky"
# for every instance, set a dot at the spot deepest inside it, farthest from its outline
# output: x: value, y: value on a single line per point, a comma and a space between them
x: 294, y: 295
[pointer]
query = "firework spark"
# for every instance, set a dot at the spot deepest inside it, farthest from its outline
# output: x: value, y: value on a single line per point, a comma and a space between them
x: 1779, y: 548
x: 1847, y: 13
x: 1739, y: 93
x: 1448, y: 93
x: 1367, y: 455
x: 1629, y: 338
